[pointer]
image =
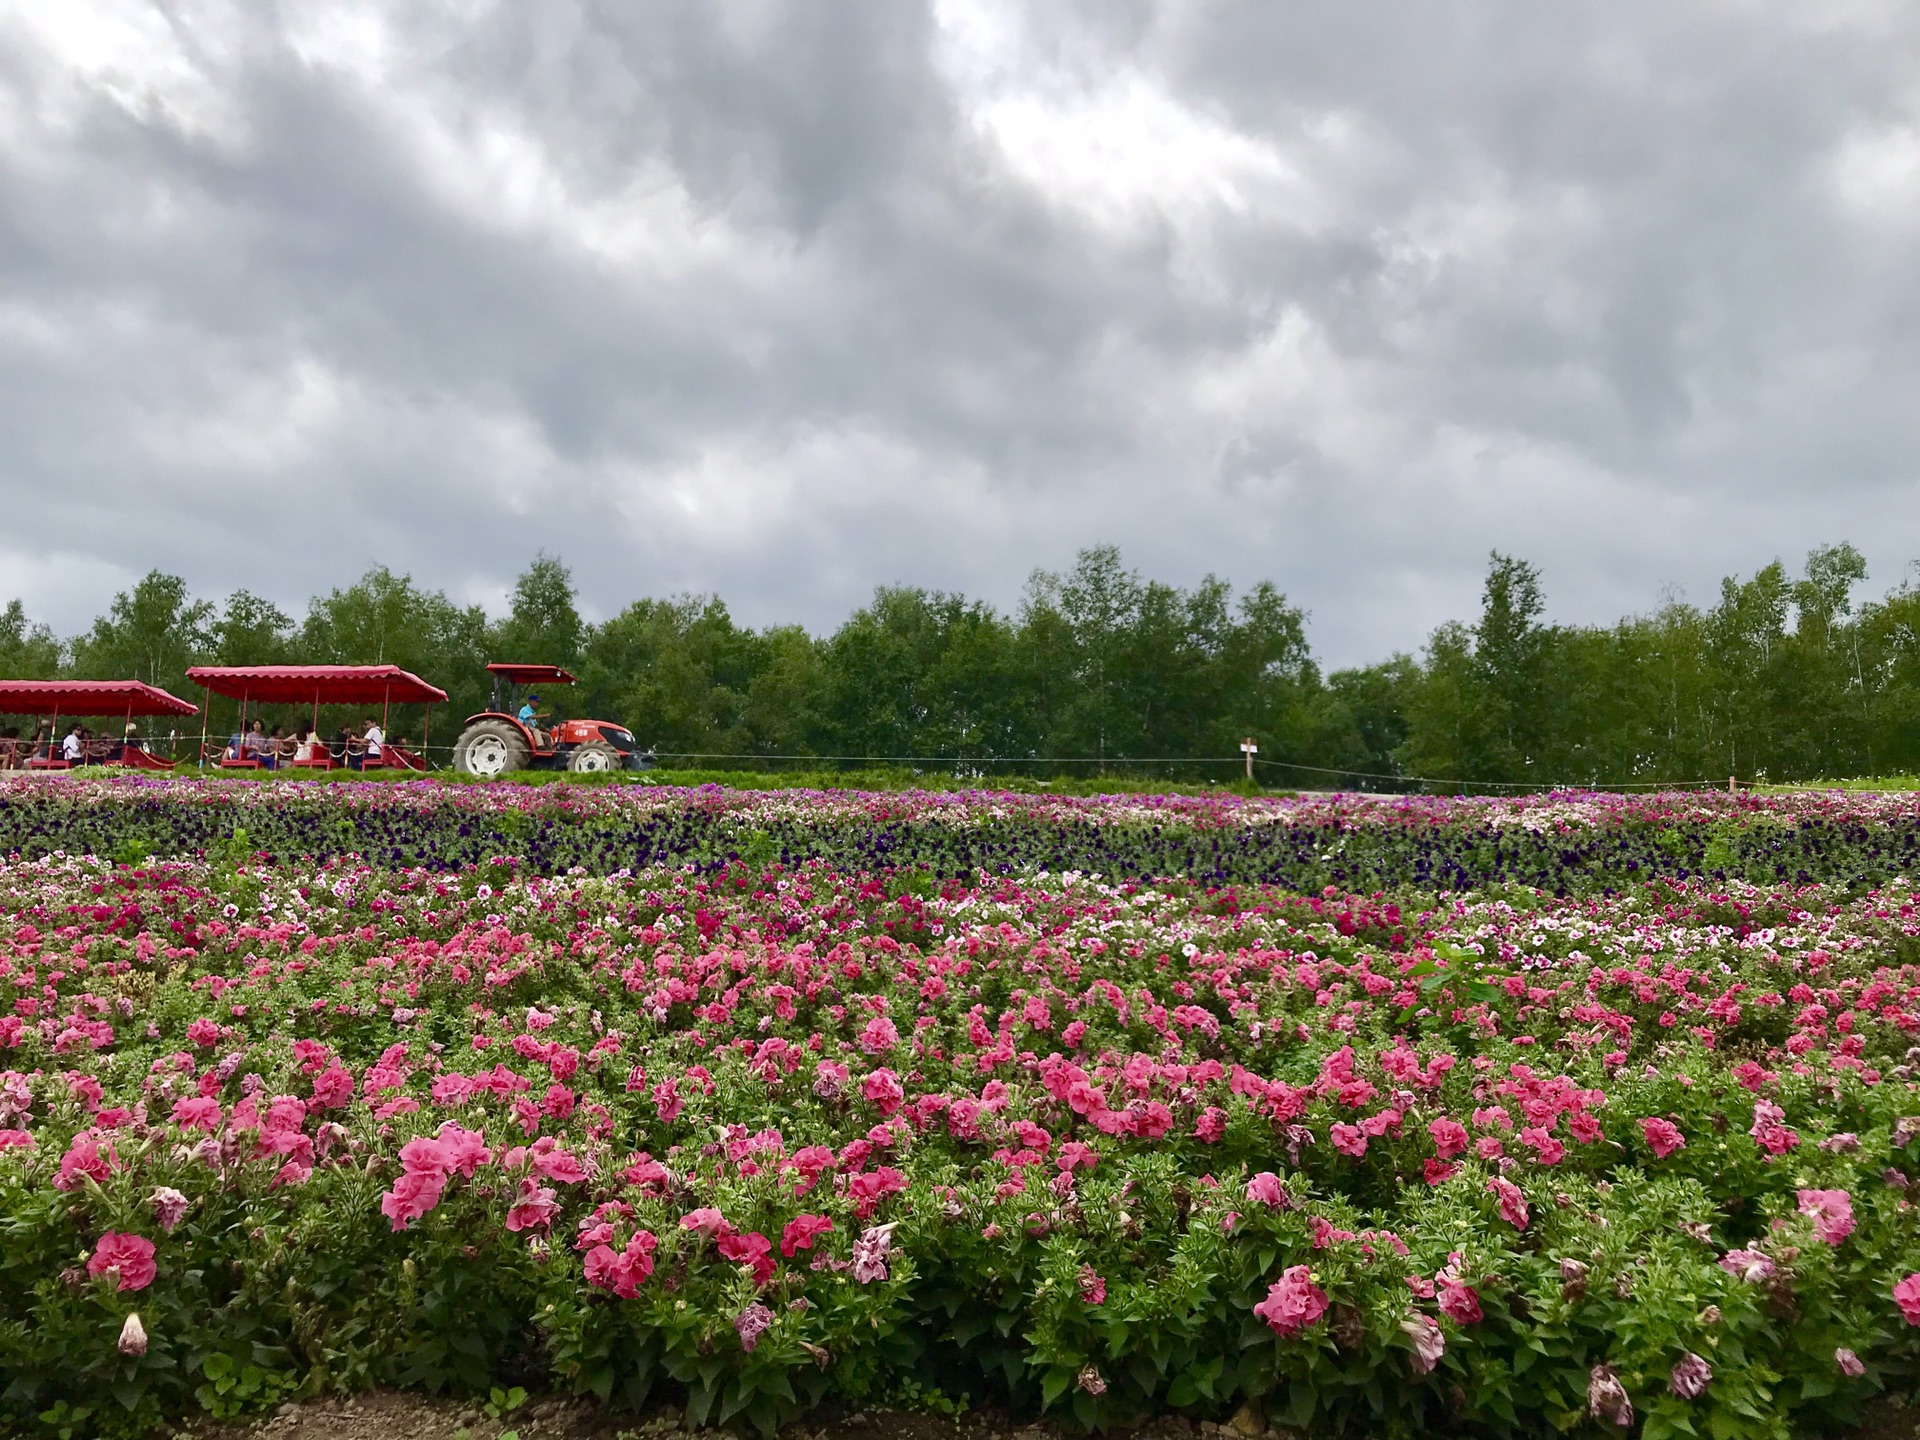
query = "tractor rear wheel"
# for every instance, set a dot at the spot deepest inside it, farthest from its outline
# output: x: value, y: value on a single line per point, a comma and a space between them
x: 592, y: 757
x: 490, y: 747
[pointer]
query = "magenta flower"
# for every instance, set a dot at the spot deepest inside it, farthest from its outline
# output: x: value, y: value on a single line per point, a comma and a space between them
x: 1293, y: 1303
x: 801, y: 1232
x: 127, y: 1258
x: 533, y: 1207
x: 1266, y: 1189
x: 1906, y: 1294
x: 1663, y: 1137
x: 1460, y: 1303
x: 1449, y: 1138
x: 1093, y: 1286
x: 1513, y: 1202
x: 1831, y: 1211
x: 413, y: 1195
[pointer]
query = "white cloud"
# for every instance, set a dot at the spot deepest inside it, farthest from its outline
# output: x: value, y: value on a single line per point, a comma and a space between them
x: 783, y: 300
x: 1877, y: 176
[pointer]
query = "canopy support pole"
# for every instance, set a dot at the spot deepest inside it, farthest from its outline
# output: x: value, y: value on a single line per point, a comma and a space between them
x: 206, y: 711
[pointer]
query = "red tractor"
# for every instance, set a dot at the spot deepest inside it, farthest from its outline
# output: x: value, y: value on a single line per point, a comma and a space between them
x: 510, y: 736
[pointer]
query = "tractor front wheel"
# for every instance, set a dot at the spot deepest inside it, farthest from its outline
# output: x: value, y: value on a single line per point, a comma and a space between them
x: 593, y: 757
x: 488, y: 748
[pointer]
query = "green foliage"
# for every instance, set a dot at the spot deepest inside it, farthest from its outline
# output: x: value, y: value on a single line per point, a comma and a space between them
x: 152, y: 632
x: 27, y: 651
x: 1779, y: 678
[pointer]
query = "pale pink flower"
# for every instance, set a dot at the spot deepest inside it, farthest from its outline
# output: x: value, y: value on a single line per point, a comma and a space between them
x: 1752, y: 1266
x: 1691, y: 1376
x: 750, y: 1323
x: 1607, y: 1397
x: 1429, y: 1342
x: 169, y: 1207
x: 870, y: 1253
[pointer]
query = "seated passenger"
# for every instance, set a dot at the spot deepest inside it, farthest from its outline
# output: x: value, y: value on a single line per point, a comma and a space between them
x: 254, y: 745
x: 73, y: 749
x: 374, y: 741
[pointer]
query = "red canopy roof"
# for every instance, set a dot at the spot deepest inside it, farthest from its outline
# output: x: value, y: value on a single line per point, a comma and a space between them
x: 531, y: 674
x: 316, y: 684
x: 89, y: 697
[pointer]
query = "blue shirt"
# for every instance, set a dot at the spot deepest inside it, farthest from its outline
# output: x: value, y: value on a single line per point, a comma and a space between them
x: 527, y: 715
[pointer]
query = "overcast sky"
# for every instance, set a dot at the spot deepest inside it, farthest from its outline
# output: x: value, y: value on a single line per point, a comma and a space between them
x: 786, y: 300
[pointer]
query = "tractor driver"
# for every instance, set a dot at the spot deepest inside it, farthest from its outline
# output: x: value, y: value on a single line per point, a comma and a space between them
x: 531, y: 716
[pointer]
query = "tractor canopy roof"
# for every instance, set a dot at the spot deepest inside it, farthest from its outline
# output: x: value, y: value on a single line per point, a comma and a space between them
x: 317, y: 684
x: 89, y: 697
x: 530, y: 674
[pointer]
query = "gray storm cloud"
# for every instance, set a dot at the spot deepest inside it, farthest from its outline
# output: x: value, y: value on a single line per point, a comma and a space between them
x: 782, y: 301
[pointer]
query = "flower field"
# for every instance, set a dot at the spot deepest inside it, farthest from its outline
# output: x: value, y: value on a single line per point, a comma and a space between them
x: 755, y: 1134
x: 1561, y: 843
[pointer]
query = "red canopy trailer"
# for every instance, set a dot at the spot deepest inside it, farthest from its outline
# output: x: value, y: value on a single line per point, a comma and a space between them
x: 93, y: 698
x: 321, y: 685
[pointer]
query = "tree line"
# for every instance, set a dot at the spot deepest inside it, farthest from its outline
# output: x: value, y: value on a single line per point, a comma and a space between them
x: 1099, y: 669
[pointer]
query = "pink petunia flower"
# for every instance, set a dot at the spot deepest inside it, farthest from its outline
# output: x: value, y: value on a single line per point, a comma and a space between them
x: 1663, y: 1137
x: 1460, y: 1303
x: 1831, y: 1211
x: 801, y: 1232
x: 1293, y: 1303
x: 1513, y: 1202
x: 127, y: 1258
x: 169, y: 1207
x: 1266, y: 1189
x: 1429, y: 1342
x: 1906, y: 1294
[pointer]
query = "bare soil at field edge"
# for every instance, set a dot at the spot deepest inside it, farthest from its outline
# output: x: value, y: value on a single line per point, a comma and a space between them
x: 391, y: 1415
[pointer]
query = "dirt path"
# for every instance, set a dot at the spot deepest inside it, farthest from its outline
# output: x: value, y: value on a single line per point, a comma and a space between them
x: 391, y: 1415
x: 388, y: 1415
